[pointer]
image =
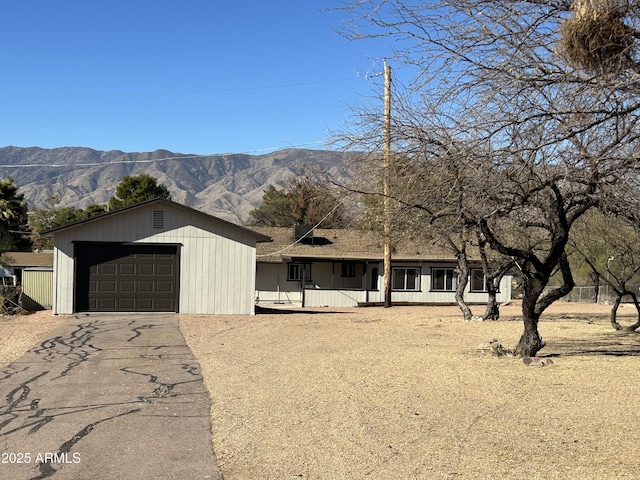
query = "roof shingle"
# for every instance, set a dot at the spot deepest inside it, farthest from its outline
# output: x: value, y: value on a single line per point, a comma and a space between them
x: 339, y: 244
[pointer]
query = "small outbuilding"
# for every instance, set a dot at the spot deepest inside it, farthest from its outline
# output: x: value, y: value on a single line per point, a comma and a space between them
x: 155, y: 256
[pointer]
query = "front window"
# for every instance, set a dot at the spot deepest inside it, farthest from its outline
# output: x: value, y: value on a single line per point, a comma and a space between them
x: 478, y: 280
x: 406, y: 279
x: 443, y: 279
x: 348, y: 270
x: 294, y: 272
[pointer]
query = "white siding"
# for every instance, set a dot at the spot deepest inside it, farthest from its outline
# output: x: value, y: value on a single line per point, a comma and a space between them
x: 217, y: 261
x: 334, y: 298
x: 328, y: 288
x: 272, y: 285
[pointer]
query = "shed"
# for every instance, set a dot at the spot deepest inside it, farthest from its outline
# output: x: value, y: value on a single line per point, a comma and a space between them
x: 155, y: 256
x: 37, y: 288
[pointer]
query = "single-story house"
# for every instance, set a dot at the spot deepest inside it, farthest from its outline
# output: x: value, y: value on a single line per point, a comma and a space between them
x: 157, y: 255
x: 32, y: 273
x: 344, y: 268
x: 12, y: 265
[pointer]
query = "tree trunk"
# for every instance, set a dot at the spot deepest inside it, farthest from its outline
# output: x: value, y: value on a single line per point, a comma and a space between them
x: 635, y: 326
x: 493, y: 311
x: 534, y: 302
x: 463, y: 280
x: 493, y: 276
x: 530, y: 342
x: 614, y: 312
x: 464, y: 308
x: 536, y: 274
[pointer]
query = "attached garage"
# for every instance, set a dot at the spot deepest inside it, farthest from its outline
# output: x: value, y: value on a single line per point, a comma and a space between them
x: 155, y: 256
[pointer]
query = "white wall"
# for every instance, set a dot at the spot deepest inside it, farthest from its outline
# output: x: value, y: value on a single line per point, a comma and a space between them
x: 327, y: 288
x: 272, y: 285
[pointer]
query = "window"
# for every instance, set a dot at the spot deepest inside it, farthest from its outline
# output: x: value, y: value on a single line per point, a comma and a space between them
x: 348, y: 269
x: 478, y: 283
x: 478, y: 280
x: 443, y: 279
x: 294, y: 272
x: 406, y: 279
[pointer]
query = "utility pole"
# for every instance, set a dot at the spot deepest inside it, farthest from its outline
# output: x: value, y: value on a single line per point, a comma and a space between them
x: 386, y: 189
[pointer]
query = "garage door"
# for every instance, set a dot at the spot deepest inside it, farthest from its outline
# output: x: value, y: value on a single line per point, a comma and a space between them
x: 126, y: 278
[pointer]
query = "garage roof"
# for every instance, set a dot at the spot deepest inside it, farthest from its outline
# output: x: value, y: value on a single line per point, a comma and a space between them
x: 159, y: 201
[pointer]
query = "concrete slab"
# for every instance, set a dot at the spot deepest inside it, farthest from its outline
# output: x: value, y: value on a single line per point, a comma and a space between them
x: 107, y: 396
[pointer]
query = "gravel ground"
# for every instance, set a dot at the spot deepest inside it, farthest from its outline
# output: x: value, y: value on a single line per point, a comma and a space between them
x: 18, y: 333
x: 406, y: 393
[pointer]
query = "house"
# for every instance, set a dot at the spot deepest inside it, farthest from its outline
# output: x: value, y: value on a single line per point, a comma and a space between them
x: 344, y: 268
x: 157, y: 255
x: 32, y: 272
x: 14, y: 263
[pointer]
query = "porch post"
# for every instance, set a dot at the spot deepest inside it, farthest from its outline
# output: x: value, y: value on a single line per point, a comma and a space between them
x: 364, y: 280
x: 333, y: 275
x: 304, y: 277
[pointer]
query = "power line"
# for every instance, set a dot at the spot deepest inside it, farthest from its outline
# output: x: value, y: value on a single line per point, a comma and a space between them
x: 306, y: 234
x: 152, y: 160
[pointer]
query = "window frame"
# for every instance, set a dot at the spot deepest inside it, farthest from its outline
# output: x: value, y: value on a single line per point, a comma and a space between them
x: 484, y: 281
x: 348, y: 270
x: 416, y: 279
x: 298, y: 276
x: 477, y: 274
x: 450, y: 277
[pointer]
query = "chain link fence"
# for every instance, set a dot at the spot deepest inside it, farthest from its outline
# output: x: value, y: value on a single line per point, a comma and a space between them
x: 588, y: 294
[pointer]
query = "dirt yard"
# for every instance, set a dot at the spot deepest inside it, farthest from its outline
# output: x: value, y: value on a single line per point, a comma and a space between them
x: 406, y: 393
x: 18, y: 333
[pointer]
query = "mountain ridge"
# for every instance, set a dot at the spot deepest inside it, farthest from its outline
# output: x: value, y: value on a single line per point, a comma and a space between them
x: 228, y: 186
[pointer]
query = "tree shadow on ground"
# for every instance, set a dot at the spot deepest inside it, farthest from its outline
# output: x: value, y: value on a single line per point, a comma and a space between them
x: 611, y: 343
x: 575, y: 317
x: 622, y: 343
x: 284, y: 311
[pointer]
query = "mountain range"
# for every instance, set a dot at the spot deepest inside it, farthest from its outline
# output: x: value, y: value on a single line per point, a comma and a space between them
x: 227, y: 186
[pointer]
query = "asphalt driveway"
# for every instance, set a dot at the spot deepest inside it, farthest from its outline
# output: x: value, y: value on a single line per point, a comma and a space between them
x: 107, y: 396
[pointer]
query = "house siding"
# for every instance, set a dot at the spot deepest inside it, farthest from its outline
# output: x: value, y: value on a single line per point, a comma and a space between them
x: 217, y: 273
x: 328, y: 288
x: 272, y: 285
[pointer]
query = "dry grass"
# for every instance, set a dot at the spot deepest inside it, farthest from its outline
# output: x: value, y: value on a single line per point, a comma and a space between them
x: 405, y: 393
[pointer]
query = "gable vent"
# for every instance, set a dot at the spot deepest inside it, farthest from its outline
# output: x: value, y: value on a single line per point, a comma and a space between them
x: 158, y: 219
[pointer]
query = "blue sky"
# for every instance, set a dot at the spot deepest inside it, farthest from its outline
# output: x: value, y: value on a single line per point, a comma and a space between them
x: 189, y: 76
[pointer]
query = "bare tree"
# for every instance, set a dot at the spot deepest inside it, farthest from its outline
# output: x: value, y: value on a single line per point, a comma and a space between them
x: 494, y: 268
x: 610, y: 246
x: 546, y: 141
